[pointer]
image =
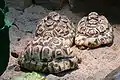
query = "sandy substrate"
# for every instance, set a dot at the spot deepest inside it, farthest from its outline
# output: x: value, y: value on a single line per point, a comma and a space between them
x: 96, y: 63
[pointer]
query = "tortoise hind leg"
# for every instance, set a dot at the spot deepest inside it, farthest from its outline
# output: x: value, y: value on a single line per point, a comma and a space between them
x: 61, y: 65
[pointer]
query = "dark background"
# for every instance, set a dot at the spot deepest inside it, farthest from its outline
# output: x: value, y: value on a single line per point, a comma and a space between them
x: 4, y: 42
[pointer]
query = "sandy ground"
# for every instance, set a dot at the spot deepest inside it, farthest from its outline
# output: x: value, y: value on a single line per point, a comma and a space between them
x: 96, y: 63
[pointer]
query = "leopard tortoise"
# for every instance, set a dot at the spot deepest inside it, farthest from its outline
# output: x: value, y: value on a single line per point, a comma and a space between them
x: 48, y: 56
x: 50, y: 50
x: 56, y: 25
x: 93, y: 31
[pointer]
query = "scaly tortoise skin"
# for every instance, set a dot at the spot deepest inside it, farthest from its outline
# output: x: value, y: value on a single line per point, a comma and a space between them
x: 56, y: 25
x: 48, y: 56
x: 93, y: 31
x: 50, y: 50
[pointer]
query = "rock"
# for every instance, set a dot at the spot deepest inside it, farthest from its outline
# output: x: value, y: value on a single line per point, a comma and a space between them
x: 19, y: 4
x: 71, y: 3
x: 51, y: 4
x: 27, y: 3
x: 14, y: 54
x: 114, y: 75
x: 74, y: 5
